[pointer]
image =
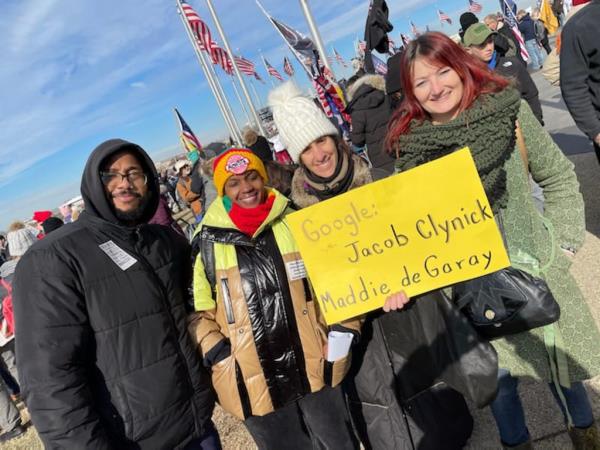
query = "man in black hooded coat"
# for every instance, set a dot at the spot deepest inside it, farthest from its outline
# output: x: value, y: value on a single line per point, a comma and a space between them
x: 100, y: 306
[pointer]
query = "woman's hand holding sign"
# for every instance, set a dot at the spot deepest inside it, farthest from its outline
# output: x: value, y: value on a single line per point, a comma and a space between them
x: 396, y: 301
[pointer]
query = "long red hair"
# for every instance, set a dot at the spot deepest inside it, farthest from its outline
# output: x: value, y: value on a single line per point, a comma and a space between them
x: 439, y: 50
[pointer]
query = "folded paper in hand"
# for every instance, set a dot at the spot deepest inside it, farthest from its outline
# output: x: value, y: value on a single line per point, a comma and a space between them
x: 338, y: 345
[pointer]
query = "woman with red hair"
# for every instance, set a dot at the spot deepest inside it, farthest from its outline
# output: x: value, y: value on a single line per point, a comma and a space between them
x: 451, y: 100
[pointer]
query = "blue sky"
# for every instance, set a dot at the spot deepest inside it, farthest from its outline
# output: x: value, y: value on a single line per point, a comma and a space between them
x: 75, y: 73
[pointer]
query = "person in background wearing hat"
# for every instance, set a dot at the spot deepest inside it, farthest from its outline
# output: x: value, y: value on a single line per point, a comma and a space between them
x: 51, y: 224
x: 106, y: 361
x: 20, y: 239
x: 479, y: 41
x: 257, y: 324
x: 503, y: 45
x: 580, y: 68
x: 39, y: 217
x: 183, y: 168
x: 393, y: 80
x: 495, y: 22
x: 258, y: 144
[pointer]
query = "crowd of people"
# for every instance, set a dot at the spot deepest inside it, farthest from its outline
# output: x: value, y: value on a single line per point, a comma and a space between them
x: 182, y: 286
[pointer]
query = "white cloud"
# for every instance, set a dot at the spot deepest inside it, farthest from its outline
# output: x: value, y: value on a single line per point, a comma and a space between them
x: 138, y: 84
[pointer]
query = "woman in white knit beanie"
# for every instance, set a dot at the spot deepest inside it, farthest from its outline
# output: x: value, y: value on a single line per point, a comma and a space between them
x: 327, y: 166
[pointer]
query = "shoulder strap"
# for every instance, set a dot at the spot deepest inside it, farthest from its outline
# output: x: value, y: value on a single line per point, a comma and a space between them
x: 206, y: 249
x: 522, y: 147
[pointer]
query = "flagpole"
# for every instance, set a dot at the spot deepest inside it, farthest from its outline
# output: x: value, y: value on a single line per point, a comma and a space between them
x: 315, y: 34
x: 209, y: 79
x: 211, y: 67
x: 237, y: 94
x: 235, y: 67
x: 256, y: 96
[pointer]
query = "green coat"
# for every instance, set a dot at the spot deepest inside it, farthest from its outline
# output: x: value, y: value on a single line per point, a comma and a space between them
x: 525, y: 354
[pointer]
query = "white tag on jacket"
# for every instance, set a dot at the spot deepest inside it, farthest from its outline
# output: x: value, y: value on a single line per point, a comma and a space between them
x: 295, y: 270
x: 119, y: 256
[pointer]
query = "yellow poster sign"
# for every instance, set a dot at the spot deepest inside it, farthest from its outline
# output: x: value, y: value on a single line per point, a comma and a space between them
x: 420, y: 230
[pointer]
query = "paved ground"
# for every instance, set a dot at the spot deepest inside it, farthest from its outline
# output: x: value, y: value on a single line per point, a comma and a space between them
x: 543, y: 416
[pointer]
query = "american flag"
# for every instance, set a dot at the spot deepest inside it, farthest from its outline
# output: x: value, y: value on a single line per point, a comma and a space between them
x: 444, y: 17
x: 272, y: 71
x: 413, y: 29
x: 339, y: 58
x: 474, y: 7
x: 188, y: 139
x: 509, y: 10
x: 405, y: 39
x: 245, y: 66
x: 379, y: 66
x: 222, y: 59
x: 287, y: 67
x: 200, y: 29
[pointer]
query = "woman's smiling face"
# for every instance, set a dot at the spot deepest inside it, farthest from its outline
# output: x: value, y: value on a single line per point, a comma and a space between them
x: 438, y: 89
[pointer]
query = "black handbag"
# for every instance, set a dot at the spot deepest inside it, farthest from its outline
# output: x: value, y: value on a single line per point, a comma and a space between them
x: 508, y: 301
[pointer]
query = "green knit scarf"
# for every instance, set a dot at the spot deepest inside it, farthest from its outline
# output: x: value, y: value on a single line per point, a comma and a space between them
x: 487, y: 128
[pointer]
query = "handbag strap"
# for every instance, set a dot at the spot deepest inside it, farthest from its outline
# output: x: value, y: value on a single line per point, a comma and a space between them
x: 522, y: 147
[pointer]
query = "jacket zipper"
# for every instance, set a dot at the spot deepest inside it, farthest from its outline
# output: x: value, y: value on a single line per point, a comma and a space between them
x: 227, y: 301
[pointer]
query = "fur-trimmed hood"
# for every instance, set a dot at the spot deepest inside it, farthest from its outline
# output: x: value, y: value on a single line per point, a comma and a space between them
x: 302, y: 196
x: 374, y: 81
x: 366, y: 93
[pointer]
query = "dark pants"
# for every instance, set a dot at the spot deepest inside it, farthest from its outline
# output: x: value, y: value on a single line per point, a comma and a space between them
x: 209, y: 441
x: 316, y: 421
x: 597, y: 150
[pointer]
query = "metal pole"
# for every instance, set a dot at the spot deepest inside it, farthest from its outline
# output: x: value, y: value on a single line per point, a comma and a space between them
x: 237, y: 93
x: 235, y: 67
x: 209, y: 79
x: 223, y: 96
x: 256, y: 97
x: 315, y: 34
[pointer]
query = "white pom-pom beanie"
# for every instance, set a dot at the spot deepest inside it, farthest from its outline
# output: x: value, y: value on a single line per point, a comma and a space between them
x: 298, y: 119
x: 19, y: 241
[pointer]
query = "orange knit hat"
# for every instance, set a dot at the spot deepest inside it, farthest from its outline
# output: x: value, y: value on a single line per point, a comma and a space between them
x: 236, y: 161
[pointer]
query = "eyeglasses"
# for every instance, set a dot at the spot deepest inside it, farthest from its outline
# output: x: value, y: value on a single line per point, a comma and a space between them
x: 112, y: 178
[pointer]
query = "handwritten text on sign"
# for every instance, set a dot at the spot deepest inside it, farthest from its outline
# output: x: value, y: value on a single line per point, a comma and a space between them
x: 429, y: 227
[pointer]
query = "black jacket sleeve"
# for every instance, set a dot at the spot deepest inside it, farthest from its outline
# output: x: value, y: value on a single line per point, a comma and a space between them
x: 574, y: 77
x: 357, y: 135
x: 529, y: 91
x: 54, y: 341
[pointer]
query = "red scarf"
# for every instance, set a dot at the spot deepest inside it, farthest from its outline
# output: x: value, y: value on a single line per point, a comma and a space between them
x: 248, y: 220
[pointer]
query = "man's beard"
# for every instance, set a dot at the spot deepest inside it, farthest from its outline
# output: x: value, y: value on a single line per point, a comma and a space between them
x: 135, y: 215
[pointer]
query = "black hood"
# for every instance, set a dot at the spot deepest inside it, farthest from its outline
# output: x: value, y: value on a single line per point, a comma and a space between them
x: 92, y: 190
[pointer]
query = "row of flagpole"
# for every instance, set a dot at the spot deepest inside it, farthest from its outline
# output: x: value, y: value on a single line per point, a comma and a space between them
x: 212, y: 81
x: 232, y: 68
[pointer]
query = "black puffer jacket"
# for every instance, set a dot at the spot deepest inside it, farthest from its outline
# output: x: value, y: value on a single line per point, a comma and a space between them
x: 105, y: 358
x: 370, y: 110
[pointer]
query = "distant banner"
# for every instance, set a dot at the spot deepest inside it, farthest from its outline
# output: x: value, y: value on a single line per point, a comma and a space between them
x: 417, y: 231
